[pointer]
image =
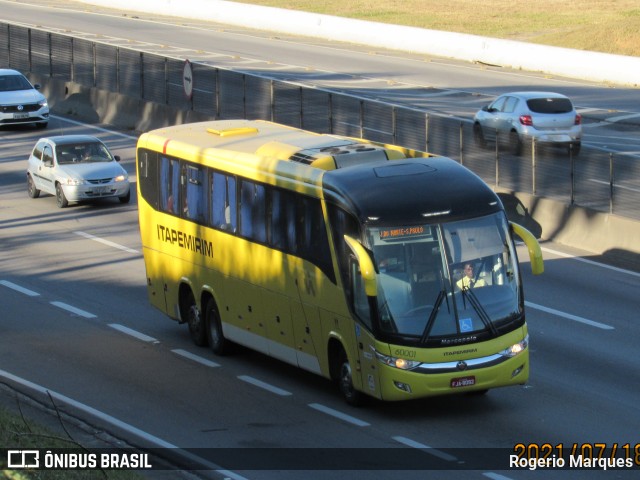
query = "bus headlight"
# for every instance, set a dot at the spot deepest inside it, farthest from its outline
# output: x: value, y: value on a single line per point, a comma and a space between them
x: 395, y: 362
x: 516, y: 348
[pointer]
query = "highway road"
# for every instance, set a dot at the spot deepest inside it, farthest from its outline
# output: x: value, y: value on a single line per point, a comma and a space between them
x: 75, y: 320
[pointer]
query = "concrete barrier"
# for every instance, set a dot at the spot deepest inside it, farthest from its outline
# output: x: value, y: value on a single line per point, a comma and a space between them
x: 593, y: 66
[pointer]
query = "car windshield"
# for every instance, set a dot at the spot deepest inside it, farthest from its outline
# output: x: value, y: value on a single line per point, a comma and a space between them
x: 550, y: 105
x: 88, y: 152
x: 439, y: 282
x: 11, y: 83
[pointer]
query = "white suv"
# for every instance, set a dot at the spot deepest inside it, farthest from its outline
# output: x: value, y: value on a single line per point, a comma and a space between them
x: 546, y: 117
x: 21, y: 102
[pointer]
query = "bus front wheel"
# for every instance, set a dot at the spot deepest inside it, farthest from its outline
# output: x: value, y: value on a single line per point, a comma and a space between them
x: 217, y: 342
x: 345, y: 382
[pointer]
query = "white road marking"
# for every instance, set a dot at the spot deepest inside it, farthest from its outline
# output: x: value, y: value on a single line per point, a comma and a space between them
x: 342, y: 416
x: 591, y: 262
x: 72, y: 309
x: 133, y: 333
x: 427, y: 449
x: 18, y: 288
x: 195, y: 358
x: 569, y: 316
x: 263, y: 385
x: 495, y: 476
x: 106, y: 242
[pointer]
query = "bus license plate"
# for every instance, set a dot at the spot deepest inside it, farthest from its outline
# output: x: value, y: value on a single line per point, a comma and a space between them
x: 463, y: 382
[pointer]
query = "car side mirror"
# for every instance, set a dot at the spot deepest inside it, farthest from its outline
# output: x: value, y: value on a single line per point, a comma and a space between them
x: 117, y: 158
x: 37, y: 86
x: 485, y: 108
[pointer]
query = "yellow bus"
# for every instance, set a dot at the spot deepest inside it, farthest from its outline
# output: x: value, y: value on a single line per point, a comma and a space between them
x: 388, y: 270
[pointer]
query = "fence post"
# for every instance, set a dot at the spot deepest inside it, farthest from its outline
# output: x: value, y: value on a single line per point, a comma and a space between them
x: 611, y: 182
x: 426, y: 132
x: 95, y: 64
x: 533, y: 166
x: 142, y: 75
x: 50, y: 41
x: 394, y: 126
x: 361, y: 118
x: 217, y: 94
x: 572, y: 175
x: 461, y: 144
x: 331, y: 113
x: 29, y: 49
x: 301, y: 107
x: 272, y: 100
x: 497, y: 158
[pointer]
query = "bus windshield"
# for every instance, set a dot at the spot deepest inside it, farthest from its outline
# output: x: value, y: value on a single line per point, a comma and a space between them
x: 440, y: 284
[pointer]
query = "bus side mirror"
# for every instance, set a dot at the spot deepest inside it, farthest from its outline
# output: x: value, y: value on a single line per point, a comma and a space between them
x: 535, y: 253
x: 367, y: 270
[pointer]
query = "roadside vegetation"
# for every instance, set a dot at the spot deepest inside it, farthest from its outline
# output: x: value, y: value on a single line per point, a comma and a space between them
x: 609, y: 26
x: 18, y: 432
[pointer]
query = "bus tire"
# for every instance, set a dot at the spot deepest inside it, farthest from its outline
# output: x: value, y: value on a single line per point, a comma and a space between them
x: 194, y: 319
x: 213, y: 327
x: 345, y: 383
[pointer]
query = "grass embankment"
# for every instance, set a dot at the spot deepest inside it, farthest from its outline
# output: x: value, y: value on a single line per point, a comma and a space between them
x: 609, y: 26
x: 20, y: 433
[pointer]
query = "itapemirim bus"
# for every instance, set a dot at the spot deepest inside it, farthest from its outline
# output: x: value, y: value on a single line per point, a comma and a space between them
x: 338, y: 255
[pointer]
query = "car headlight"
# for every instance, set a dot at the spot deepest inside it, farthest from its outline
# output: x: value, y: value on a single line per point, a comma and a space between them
x: 75, y: 181
x: 516, y: 348
x: 395, y: 362
x: 120, y: 178
x: 43, y: 102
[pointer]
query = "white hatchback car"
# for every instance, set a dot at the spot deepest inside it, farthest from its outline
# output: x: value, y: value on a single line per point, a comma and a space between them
x: 21, y: 102
x: 512, y: 118
x: 76, y: 168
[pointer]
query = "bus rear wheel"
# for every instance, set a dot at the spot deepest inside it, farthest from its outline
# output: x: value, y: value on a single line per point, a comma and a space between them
x: 213, y: 326
x: 194, y: 319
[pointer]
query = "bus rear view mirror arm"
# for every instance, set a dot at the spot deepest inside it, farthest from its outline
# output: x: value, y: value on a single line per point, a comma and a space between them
x: 535, y: 253
x: 367, y: 270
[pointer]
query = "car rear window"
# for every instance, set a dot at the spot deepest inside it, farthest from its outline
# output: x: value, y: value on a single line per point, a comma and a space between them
x: 550, y: 105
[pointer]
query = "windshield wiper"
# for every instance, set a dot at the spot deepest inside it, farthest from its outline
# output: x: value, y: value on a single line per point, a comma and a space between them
x: 432, y: 317
x: 482, y: 313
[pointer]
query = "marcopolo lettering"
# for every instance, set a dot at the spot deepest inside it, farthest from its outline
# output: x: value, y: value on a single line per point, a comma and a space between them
x: 186, y: 241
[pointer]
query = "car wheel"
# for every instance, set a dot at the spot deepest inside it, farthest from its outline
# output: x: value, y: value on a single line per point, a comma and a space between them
x: 61, y: 200
x: 31, y: 188
x: 478, y: 136
x: 515, y: 143
x: 125, y: 198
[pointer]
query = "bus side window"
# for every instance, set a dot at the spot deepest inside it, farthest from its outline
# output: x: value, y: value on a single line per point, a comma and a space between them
x: 253, y: 211
x: 223, y: 202
x: 194, y: 197
x: 169, y: 183
x: 148, y: 176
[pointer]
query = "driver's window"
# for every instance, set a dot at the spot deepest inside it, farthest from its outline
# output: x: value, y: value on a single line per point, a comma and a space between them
x: 47, y: 155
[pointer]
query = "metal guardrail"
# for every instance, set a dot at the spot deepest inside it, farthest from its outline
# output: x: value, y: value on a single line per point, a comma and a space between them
x: 595, y: 179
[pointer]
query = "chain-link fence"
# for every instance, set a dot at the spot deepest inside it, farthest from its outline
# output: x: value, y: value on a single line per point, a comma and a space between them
x: 594, y: 179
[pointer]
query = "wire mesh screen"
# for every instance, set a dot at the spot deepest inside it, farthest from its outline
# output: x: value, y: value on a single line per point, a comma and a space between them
x: 257, y: 98
x: 61, y: 56
x: 40, y: 52
x: 18, y: 46
x: 231, y: 94
x: 106, y: 67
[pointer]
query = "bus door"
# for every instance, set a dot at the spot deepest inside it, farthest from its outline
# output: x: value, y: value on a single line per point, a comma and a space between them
x: 367, y: 361
x: 306, y: 319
